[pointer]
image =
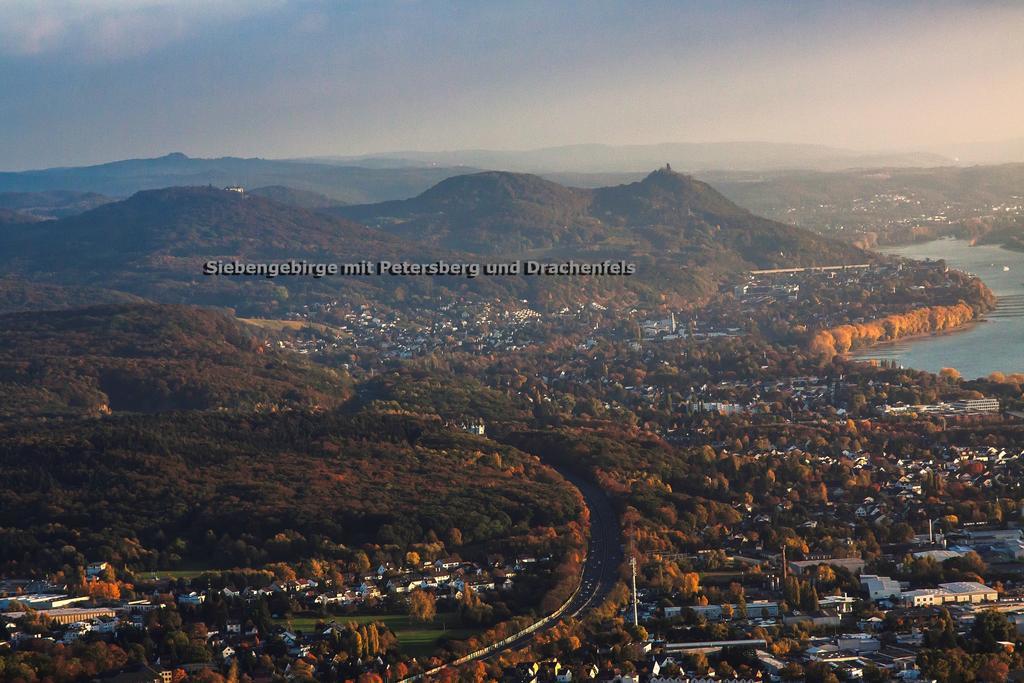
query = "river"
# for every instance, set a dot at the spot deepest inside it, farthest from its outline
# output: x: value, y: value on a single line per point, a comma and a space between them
x: 994, y: 344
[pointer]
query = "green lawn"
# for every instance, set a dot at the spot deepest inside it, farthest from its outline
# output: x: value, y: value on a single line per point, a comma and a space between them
x: 414, y: 639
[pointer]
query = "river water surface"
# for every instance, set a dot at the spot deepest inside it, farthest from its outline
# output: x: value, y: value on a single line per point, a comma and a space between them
x: 996, y: 343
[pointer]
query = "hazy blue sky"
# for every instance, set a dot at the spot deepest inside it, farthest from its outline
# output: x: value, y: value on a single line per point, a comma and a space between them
x: 86, y: 81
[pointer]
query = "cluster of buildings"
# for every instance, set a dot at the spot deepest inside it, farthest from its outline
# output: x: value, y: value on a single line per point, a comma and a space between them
x: 796, y: 394
x: 977, y: 406
x: 884, y: 590
x: 905, y: 487
x: 444, y: 577
x: 841, y: 635
x: 827, y: 297
x: 668, y: 662
x: 478, y: 327
x: 683, y: 327
x: 70, y: 617
x: 896, y: 215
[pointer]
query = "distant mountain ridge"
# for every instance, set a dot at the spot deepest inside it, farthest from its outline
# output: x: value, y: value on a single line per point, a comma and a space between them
x: 694, y: 157
x: 52, y: 203
x: 383, y: 177
x: 126, y: 177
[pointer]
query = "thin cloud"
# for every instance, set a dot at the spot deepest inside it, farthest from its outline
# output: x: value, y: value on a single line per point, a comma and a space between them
x: 110, y: 30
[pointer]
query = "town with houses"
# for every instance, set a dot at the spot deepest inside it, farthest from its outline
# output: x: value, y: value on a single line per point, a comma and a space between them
x: 887, y: 217
x: 508, y: 342
x: 877, y: 624
x: 247, y: 621
x: 773, y: 612
x: 818, y: 297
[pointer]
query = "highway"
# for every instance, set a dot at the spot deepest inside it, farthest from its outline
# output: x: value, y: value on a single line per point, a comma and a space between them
x: 600, y: 569
x: 604, y: 556
x: 600, y: 572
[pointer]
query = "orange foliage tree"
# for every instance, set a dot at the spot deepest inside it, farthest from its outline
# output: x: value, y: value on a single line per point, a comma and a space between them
x: 843, y: 338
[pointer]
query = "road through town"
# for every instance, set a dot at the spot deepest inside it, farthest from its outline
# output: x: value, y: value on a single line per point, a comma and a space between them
x: 600, y: 570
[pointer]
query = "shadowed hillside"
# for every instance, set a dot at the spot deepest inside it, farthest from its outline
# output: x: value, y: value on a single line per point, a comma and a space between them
x: 304, y: 199
x: 499, y: 213
x: 18, y: 294
x: 683, y: 234
x: 148, y: 358
x: 155, y: 243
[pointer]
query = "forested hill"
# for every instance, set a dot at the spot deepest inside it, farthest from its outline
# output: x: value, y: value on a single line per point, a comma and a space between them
x: 489, y: 212
x: 148, y: 358
x: 683, y: 237
x: 20, y: 295
x: 304, y: 199
x: 147, y: 492
x: 181, y: 222
x: 667, y: 215
x: 155, y: 243
x: 679, y: 213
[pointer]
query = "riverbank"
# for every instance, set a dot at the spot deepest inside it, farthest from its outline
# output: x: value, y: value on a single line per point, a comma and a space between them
x: 974, y: 349
x: 858, y: 353
x: 918, y: 322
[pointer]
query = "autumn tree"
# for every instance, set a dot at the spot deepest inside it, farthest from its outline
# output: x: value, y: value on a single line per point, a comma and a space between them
x: 691, y: 584
x: 989, y: 628
x: 699, y: 663
x: 422, y: 606
x: 993, y: 669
